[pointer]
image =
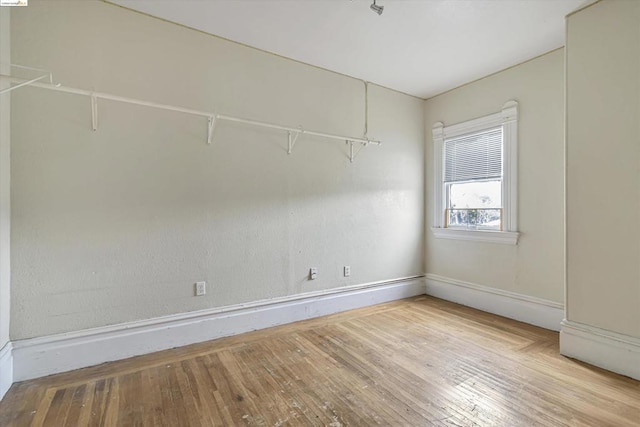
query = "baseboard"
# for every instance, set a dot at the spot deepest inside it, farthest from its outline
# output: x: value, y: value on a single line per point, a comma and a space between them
x: 48, y: 355
x: 606, y: 349
x: 6, y: 369
x: 535, y: 311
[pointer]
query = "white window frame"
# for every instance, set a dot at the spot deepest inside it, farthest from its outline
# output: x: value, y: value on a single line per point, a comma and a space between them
x: 508, y: 119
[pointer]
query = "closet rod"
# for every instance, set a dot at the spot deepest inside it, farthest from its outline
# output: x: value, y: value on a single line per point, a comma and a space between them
x: 210, y: 115
x: 103, y: 95
x: 299, y: 130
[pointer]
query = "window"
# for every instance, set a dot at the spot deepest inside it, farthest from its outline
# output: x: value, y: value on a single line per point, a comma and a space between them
x: 476, y: 178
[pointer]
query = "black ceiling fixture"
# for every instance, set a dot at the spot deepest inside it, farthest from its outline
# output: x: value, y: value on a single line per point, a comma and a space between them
x: 377, y: 9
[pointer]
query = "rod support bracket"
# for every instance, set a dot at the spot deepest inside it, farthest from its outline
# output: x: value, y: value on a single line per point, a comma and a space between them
x: 292, y: 138
x: 94, y: 112
x: 211, y: 128
x: 353, y: 153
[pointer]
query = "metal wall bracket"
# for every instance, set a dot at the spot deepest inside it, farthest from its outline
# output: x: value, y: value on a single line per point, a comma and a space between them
x: 94, y: 112
x: 353, y: 153
x: 292, y: 139
x: 211, y: 128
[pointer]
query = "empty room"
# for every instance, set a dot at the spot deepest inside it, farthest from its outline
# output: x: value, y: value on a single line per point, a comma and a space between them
x: 320, y: 212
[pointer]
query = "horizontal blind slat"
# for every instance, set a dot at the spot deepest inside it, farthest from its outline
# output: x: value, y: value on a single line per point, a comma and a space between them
x: 473, y: 157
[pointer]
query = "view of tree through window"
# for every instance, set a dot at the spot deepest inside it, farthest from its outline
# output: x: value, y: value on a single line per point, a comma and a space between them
x: 475, y: 204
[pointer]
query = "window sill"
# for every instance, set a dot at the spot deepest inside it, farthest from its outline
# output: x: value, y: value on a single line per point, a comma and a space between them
x: 488, y: 236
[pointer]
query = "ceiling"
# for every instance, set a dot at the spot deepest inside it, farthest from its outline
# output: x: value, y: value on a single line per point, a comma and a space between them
x: 419, y: 47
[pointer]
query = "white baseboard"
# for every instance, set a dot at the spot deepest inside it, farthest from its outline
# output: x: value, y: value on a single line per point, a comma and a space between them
x: 535, y: 311
x: 6, y: 369
x: 606, y: 349
x: 48, y: 355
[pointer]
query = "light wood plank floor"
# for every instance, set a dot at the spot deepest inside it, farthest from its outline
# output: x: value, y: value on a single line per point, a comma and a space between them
x: 415, y: 362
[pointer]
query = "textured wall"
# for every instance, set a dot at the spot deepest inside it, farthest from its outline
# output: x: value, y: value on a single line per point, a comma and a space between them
x: 117, y: 225
x: 534, y: 267
x: 603, y: 154
x: 5, y: 176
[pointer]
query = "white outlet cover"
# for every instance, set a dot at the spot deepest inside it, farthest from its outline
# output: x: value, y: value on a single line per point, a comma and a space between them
x: 201, y: 288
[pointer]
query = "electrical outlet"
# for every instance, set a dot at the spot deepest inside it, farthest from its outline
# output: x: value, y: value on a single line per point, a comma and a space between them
x: 347, y: 271
x: 201, y: 288
x: 313, y: 273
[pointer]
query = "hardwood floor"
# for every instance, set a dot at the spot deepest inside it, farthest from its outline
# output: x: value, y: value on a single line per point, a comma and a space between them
x: 415, y: 362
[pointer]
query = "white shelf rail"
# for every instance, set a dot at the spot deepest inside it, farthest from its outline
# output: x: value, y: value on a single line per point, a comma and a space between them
x: 43, y: 75
x: 212, y: 118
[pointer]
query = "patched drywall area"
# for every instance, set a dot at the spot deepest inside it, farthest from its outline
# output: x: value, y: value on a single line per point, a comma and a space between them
x: 535, y: 266
x: 118, y: 224
x: 603, y: 154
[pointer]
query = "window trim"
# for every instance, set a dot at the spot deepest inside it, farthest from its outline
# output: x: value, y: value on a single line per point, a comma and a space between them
x: 508, y: 119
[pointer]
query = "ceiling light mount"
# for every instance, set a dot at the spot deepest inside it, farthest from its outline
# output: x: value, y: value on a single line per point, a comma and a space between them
x: 377, y: 9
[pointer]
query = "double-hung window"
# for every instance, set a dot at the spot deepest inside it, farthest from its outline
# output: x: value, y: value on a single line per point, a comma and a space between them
x: 476, y: 178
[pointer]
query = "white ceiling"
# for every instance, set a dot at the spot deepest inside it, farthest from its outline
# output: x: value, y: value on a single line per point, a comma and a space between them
x: 420, y: 47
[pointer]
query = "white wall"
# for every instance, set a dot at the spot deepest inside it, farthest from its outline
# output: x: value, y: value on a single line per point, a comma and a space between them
x: 6, y: 366
x: 5, y: 175
x: 116, y: 225
x: 535, y: 266
x: 603, y: 154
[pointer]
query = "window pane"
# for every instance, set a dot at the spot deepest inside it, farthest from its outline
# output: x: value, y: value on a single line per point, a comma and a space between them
x: 484, y: 194
x: 475, y: 205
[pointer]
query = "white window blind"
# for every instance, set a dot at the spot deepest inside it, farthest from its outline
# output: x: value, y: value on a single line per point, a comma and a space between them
x: 473, y: 157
